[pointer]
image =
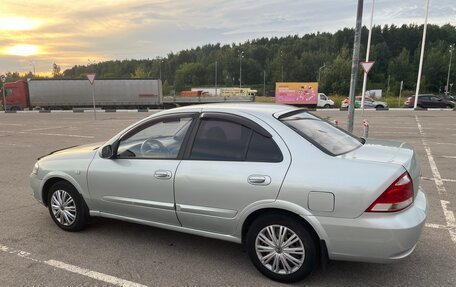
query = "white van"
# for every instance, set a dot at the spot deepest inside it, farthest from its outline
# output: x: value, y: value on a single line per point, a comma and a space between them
x: 324, y: 102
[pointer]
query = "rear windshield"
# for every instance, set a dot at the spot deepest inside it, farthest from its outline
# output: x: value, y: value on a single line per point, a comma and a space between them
x: 330, y: 139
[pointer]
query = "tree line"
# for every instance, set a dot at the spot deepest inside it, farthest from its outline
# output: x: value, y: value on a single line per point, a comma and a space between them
x: 323, y: 57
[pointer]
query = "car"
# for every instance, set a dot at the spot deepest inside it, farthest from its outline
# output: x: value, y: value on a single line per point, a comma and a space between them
x: 254, y: 174
x: 429, y: 101
x: 324, y: 101
x: 368, y: 103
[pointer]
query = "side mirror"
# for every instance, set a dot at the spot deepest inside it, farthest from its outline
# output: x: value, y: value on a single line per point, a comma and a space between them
x: 107, y: 152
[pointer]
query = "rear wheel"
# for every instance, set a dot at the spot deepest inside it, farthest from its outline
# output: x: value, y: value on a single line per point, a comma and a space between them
x: 67, y: 207
x: 281, y: 248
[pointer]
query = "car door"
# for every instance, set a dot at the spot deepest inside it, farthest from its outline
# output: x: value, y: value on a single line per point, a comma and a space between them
x: 368, y: 102
x: 139, y: 181
x: 437, y: 102
x: 425, y: 101
x: 233, y: 163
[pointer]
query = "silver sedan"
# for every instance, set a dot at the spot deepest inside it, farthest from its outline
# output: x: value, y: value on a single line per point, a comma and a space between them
x: 255, y: 174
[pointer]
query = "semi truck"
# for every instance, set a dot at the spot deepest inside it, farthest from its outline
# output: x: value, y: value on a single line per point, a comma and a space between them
x: 48, y: 94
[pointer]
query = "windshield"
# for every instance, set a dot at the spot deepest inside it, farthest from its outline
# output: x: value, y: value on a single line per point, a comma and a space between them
x: 330, y: 139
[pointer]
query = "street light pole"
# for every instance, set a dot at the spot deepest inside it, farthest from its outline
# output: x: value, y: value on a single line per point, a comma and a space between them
x: 215, y: 78
x: 423, y: 41
x: 355, y: 65
x: 33, y: 66
x: 449, y: 69
x: 241, y: 55
x: 319, y: 71
x: 264, y: 82
x: 367, y: 57
x: 281, y: 62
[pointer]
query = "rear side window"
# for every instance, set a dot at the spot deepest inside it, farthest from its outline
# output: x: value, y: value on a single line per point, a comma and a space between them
x: 263, y: 149
x: 328, y: 138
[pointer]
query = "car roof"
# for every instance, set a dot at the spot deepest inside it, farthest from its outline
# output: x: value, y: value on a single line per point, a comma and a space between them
x: 263, y: 109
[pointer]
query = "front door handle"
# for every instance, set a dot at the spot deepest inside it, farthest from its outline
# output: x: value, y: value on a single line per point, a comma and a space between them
x: 259, y: 179
x: 163, y: 174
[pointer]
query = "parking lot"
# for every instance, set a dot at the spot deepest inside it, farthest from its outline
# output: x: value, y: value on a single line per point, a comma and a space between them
x: 35, y: 252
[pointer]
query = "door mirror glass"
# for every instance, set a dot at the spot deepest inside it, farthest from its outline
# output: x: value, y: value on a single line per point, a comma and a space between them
x: 107, y: 152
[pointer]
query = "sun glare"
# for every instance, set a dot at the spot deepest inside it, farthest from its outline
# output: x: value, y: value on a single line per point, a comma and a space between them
x: 18, y: 23
x: 23, y: 50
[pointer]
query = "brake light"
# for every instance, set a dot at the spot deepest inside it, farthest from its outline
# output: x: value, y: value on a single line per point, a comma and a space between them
x: 346, y: 101
x: 396, y: 197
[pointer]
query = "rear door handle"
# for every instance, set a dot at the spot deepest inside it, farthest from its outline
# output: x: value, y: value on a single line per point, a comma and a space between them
x: 163, y: 174
x: 259, y: 179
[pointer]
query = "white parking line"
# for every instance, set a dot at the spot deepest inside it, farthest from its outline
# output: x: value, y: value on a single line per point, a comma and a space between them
x: 449, y: 156
x: 451, y: 221
x: 42, y: 129
x: 435, y: 171
x: 49, y: 134
x: 449, y: 215
x: 436, y: 226
x: 445, y: 143
x: 72, y: 268
x: 443, y: 179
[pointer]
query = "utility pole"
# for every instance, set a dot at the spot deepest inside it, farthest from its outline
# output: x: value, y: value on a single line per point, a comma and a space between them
x: 355, y: 64
x: 449, y: 70
x: 215, y: 78
x: 241, y: 55
x: 264, y: 82
x: 367, y: 57
x: 281, y: 61
x: 319, y: 71
x: 423, y: 41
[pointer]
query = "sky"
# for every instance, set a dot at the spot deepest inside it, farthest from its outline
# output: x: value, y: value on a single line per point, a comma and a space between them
x: 36, y: 34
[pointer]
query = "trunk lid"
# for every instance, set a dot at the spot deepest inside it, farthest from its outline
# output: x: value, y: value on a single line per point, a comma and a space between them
x: 387, y: 151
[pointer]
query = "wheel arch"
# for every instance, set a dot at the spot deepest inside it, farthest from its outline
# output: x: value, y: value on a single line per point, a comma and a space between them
x: 51, y: 179
x: 274, y: 210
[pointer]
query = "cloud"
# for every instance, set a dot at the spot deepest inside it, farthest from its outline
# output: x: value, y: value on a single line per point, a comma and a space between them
x: 70, y: 32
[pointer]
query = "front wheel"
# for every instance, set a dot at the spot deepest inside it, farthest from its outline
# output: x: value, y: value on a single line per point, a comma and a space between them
x: 281, y: 248
x: 67, y: 207
x: 327, y: 106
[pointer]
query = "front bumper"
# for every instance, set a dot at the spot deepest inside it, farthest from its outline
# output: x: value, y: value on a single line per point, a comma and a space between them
x: 376, y: 237
x: 36, y: 185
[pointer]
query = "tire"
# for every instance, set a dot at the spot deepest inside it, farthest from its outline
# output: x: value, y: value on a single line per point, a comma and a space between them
x: 256, y: 246
x: 449, y: 107
x: 327, y: 106
x: 379, y: 107
x: 75, y: 214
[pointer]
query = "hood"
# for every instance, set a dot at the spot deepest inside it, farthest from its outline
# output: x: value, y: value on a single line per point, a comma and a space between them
x: 389, y: 152
x: 74, y: 152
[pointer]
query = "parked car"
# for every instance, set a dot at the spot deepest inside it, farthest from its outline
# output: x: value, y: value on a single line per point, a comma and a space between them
x: 368, y: 103
x: 254, y: 174
x: 324, y: 101
x: 428, y: 101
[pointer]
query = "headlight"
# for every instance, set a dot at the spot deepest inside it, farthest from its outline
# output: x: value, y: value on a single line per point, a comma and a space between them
x: 35, y: 169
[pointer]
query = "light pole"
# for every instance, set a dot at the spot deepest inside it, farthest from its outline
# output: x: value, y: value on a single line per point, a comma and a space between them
x: 367, y: 57
x: 32, y: 63
x: 420, y: 68
x: 281, y: 62
x: 355, y: 65
x: 215, y: 78
x: 449, y: 69
x: 241, y: 55
x: 319, y: 71
x: 264, y: 82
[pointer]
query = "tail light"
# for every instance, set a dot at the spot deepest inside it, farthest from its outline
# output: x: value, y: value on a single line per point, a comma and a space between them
x: 396, y: 197
x: 346, y: 101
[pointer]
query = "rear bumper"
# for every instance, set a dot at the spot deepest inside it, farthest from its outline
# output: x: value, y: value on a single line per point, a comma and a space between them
x: 376, y: 237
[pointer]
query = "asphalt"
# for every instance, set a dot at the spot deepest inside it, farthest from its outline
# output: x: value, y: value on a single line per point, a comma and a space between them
x: 115, y: 253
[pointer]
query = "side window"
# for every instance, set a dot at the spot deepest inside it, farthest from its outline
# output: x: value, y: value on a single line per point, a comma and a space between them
x: 162, y: 139
x: 263, y: 149
x: 220, y: 140
x: 223, y: 140
x: 8, y: 92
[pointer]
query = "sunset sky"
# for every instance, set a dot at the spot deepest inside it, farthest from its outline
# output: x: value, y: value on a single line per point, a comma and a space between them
x: 39, y: 33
